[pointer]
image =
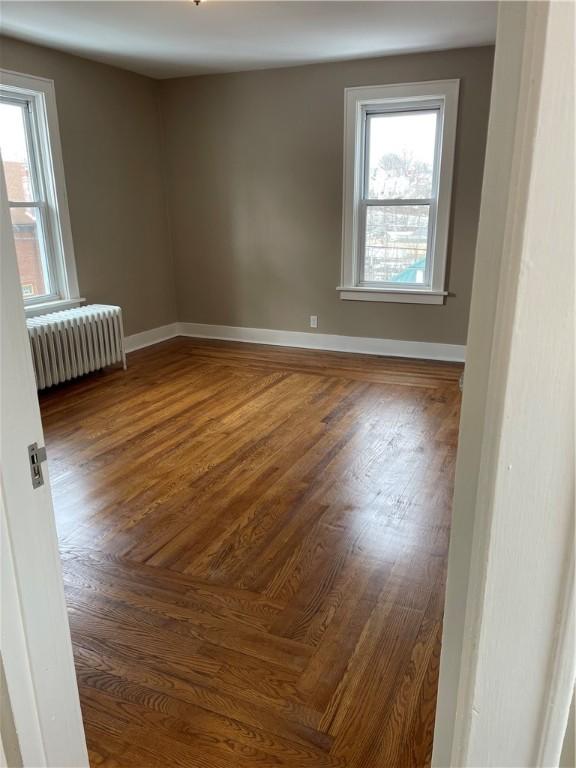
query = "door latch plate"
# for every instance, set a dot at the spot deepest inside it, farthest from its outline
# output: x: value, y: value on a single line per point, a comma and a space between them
x: 36, y: 456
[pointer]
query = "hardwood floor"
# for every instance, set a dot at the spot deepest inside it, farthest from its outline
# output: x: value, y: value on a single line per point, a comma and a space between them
x: 253, y: 543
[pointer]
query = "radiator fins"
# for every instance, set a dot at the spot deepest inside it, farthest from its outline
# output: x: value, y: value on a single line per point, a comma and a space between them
x: 75, y: 342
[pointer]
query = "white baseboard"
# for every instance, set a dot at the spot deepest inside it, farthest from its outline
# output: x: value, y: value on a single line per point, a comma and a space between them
x: 424, y: 350
x: 356, y: 344
x: 153, y: 336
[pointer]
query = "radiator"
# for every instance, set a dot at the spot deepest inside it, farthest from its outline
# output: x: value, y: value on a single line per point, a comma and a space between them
x: 74, y: 342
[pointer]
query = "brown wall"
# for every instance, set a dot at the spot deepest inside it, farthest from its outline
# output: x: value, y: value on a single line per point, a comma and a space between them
x: 111, y: 142
x: 218, y: 199
x: 255, y: 195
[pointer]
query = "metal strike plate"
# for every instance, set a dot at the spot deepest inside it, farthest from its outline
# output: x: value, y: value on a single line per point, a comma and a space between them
x: 36, y: 456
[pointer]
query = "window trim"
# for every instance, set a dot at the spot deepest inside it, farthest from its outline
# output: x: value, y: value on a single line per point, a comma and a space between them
x: 42, y: 92
x: 358, y: 102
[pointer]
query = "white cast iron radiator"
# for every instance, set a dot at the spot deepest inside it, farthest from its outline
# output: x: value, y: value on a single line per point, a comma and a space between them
x: 74, y: 342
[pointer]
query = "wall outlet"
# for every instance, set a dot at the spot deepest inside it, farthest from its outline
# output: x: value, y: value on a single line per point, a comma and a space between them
x: 313, y: 321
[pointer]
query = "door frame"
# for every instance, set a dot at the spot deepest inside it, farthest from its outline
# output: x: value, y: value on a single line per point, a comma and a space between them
x: 508, y: 664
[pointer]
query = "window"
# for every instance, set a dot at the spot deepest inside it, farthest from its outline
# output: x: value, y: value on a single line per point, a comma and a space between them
x: 32, y: 164
x: 398, y: 161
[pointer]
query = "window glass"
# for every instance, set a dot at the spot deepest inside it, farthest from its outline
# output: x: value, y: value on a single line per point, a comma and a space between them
x: 30, y: 245
x: 27, y: 209
x: 396, y: 244
x: 15, y: 152
x: 400, y: 155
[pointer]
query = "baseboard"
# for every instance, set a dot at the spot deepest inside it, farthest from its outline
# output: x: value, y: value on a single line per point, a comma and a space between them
x: 356, y: 344
x: 153, y: 336
x: 424, y: 350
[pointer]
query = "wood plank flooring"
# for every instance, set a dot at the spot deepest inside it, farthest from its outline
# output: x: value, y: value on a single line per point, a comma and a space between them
x: 253, y: 544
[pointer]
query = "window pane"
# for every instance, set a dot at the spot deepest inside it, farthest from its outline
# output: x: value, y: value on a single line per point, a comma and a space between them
x: 396, y: 243
x: 30, y: 251
x: 401, y: 155
x: 15, y: 155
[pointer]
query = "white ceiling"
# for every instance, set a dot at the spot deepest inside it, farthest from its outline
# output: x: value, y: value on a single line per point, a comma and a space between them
x: 170, y: 39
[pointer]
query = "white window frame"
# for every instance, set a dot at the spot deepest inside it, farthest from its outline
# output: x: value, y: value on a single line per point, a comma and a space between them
x: 40, y: 94
x: 441, y: 95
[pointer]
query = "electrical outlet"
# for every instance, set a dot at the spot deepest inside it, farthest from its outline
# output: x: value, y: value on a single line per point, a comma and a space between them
x: 313, y: 321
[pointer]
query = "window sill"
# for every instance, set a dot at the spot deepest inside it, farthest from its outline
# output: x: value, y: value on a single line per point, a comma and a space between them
x: 406, y: 296
x: 33, y: 310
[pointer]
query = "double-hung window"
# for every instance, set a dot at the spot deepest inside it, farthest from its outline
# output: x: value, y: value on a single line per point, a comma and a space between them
x: 34, y: 176
x: 398, y: 164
